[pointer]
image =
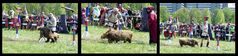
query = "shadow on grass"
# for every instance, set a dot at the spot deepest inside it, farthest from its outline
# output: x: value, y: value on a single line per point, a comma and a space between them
x: 105, y: 41
x: 20, y: 40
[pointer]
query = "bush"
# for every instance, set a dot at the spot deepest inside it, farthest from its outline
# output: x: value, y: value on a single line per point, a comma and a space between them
x: 219, y: 17
x: 196, y: 15
x: 164, y: 14
x: 228, y: 14
x: 183, y: 14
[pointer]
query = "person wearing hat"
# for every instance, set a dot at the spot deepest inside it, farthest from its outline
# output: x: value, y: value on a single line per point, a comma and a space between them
x: 42, y: 18
x: 152, y: 24
x: 52, y: 23
x: 102, y: 15
x: 114, y: 18
x: 205, y: 31
x: 83, y: 15
x: 96, y: 13
x: 85, y: 21
x: 169, y: 28
x: 218, y: 35
x: 17, y: 21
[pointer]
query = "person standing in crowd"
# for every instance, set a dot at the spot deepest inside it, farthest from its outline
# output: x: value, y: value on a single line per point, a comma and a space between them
x: 83, y: 15
x: 5, y: 17
x: 11, y: 19
x: 17, y: 22
x: 152, y: 24
x: 218, y: 35
x: 102, y: 15
x: 190, y: 30
x: 205, y: 31
x: 227, y: 32
x: 52, y: 23
x: 120, y: 21
x: 169, y: 28
x: 96, y: 13
x: 42, y: 16
x: 209, y: 31
x: 124, y: 16
x: 30, y: 21
x: 113, y: 18
x: 129, y: 11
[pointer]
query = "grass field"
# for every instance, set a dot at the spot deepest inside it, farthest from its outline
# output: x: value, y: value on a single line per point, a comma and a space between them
x: 28, y: 43
x: 225, y: 47
x: 95, y: 44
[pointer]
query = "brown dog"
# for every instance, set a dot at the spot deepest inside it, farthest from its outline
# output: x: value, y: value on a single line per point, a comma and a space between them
x: 183, y: 41
x: 114, y: 35
x: 47, y: 33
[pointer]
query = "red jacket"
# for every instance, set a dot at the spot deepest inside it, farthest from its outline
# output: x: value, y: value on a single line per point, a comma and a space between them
x: 153, y: 26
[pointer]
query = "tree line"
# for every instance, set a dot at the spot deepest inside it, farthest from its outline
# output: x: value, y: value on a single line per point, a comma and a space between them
x: 36, y: 8
x: 216, y: 16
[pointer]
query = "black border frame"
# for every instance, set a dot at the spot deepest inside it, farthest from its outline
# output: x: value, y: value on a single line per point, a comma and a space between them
x: 121, y: 1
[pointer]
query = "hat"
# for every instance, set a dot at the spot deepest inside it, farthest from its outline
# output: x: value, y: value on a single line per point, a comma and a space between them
x: 150, y: 8
x: 83, y: 9
x: 205, y: 18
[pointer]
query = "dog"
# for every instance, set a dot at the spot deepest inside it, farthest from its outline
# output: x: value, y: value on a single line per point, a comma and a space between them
x: 47, y: 33
x: 186, y: 41
x: 114, y: 35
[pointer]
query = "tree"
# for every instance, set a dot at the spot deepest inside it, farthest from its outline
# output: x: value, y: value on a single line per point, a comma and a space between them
x: 164, y: 14
x: 196, y: 15
x: 228, y: 14
x: 207, y: 13
x: 59, y: 10
x: 183, y: 14
x: 219, y: 17
x: 5, y: 7
x: 49, y: 8
x: 33, y: 8
x: 233, y: 18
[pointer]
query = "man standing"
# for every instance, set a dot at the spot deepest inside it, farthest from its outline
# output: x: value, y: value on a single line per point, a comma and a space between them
x: 11, y: 19
x: 17, y: 21
x: 113, y: 18
x: 42, y: 16
x: 169, y: 28
x: 52, y: 23
x: 152, y: 24
x: 96, y: 13
x: 205, y: 32
x: 218, y: 35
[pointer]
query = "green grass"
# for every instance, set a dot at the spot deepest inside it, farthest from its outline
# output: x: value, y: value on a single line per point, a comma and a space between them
x: 225, y: 47
x: 95, y: 44
x: 28, y: 43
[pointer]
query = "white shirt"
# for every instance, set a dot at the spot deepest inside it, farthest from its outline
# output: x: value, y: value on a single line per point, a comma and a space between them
x: 12, y: 13
x: 52, y: 20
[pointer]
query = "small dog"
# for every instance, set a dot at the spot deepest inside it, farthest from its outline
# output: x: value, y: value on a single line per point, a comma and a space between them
x: 190, y: 42
x: 47, y: 33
